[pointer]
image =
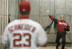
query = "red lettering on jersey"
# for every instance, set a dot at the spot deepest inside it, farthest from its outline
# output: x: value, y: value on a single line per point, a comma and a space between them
x: 33, y: 29
x: 11, y: 30
x: 27, y: 27
x: 22, y: 27
x: 18, y: 27
x: 28, y: 40
x: 15, y: 40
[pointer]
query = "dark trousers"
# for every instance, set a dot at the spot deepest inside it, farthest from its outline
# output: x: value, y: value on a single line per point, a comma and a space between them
x: 59, y: 36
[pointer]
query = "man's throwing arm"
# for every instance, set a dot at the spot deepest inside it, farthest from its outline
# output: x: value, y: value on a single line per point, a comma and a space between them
x: 53, y: 18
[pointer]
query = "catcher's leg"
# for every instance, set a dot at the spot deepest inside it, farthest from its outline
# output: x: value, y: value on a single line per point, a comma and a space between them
x: 57, y: 40
x: 63, y: 41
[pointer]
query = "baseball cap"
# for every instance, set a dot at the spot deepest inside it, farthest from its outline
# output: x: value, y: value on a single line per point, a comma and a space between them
x: 24, y: 6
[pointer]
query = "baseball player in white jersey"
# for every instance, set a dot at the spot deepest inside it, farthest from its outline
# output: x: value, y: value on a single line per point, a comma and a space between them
x: 24, y: 33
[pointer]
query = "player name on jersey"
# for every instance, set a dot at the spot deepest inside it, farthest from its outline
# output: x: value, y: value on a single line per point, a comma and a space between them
x: 22, y: 27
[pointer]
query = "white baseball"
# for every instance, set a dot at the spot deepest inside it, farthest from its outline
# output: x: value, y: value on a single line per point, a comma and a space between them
x: 47, y: 11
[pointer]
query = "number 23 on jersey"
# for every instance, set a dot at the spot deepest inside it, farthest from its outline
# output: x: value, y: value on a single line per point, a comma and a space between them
x: 20, y: 38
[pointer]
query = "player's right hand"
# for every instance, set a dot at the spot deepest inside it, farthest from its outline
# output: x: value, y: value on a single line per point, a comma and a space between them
x: 49, y: 15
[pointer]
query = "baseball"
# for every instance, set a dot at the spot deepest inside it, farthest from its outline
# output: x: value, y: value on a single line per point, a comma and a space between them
x: 47, y: 11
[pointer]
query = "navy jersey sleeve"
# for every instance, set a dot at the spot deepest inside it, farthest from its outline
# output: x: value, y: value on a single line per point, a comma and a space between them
x: 55, y: 20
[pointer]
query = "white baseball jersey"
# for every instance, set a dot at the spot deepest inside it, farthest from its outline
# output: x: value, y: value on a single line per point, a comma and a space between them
x: 24, y: 34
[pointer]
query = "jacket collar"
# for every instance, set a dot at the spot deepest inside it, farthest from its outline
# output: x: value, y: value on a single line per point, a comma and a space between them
x: 23, y: 17
x: 62, y: 20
